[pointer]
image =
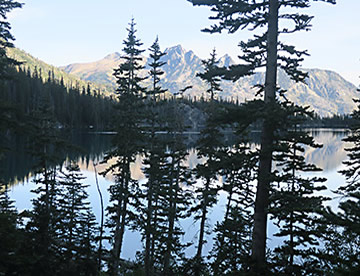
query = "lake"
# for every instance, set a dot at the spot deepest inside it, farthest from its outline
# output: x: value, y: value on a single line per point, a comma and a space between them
x: 329, y: 158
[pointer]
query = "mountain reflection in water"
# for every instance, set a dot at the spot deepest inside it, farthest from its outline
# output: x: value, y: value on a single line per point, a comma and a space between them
x: 329, y: 157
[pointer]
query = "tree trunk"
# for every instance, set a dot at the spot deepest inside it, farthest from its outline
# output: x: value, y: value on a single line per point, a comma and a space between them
x: 267, y: 139
x: 148, y: 229
x: 121, y: 213
x: 202, y: 228
x: 101, y: 221
x: 174, y: 189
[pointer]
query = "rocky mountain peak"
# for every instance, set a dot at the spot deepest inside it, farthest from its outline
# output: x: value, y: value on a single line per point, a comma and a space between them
x: 326, y: 91
x: 175, y: 50
x: 226, y: 61
x: 113, y: 56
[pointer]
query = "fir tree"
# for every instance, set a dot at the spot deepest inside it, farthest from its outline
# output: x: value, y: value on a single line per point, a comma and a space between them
x: 232, y: 248
x: 342, y: 248
x: 209, y: 147
x: 263, y: 50
x: 44, y: 218
x: 206, y: 194
x: 77, y: 227
x: 10, y: 235
x: 176, y: 199
x: 153, y: 161
x: 155, y: 70
x: 6, y: 37
x: 211, y: 75
x: 294, y: 206
x: 128, y: 117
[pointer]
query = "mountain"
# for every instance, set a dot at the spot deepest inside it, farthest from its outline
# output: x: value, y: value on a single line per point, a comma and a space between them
x: 99, y: 72
x: 70, y: 80
x: 326, y: 91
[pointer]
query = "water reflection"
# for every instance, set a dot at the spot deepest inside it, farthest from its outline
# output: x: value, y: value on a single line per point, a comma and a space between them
x: 332, y: 153
x: 17, y: 164
x: 329, y: 158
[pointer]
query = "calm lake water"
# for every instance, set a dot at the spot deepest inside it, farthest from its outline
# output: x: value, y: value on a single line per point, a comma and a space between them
x: 329, y: 158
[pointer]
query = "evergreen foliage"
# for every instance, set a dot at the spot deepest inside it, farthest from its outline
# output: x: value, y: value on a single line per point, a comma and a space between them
x: 128, y: 136
x: 210, y: 75
x: 12, y: 238
x: 155, y: 70
x: 342, y: 241
x: 263, y: 50
x: 71, y: 107
x: 6, y: 38
x: 231, y: 252
x: 77, y: 228
x: 295, y: 205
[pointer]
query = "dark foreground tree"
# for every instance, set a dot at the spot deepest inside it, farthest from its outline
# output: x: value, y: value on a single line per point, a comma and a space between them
x: 342, y: 248
x: 44, y: 217
x: 155, y: 158
x: 6, y: 38
x: 209, y: 148
x: 10, y: 240
x: 210, y: 75
x: 77, y: 225
x: 264, y: 50
x: 128, y: 115
x: 295, y: 204
x: 232, y: 249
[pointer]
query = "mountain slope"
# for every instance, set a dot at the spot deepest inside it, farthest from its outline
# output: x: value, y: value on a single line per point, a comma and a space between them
x: 99, y: 72
x: 326, y: 91
x: 70, y: 80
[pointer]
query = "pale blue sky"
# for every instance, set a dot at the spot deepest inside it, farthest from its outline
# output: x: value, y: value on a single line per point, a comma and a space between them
x: 68, y: 31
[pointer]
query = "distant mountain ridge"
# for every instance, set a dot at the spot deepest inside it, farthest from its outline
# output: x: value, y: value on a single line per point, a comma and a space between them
x: 326, y: 91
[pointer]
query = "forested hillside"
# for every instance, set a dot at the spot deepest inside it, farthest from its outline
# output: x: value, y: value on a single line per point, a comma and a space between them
x: 27, y: 91
x: 45, y: 71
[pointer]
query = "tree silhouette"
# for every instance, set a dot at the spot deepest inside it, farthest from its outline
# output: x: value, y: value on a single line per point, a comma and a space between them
x: 342, y: 242
x: 127, y: 125
x: 210, y: 75
x: 77, y: 228
x: 262, y: 51
x: 295, y: 207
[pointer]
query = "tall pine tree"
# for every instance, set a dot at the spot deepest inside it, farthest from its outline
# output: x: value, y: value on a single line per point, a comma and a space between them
x: 263, y: 50
x: 127, y: 125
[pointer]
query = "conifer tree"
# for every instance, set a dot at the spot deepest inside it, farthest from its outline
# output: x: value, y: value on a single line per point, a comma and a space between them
x: 295, y: 207
x: 342, y: 248
x: 170, y: 200
x: 232, y: 247
x: 44, y: 217
x: 176, y: 199
x: 175, y: 193
x: 211, y: 75
x: 6, y: 41
x: 153, y: 160
x: 10, y: 235
x: 6, y: 38
x: 127, y: 125
x: 209, y: 147
x: 263, y: 50
x: 155, y: 70
x: 77, y: 224
x: 206, y: 194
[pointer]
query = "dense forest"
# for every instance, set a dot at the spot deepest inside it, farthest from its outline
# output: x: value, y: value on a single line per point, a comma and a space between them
x: 60, y: 234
